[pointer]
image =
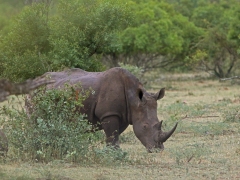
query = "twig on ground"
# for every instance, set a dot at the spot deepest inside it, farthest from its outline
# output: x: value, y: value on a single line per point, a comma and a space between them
x: 195, y: 117
x: 226, y: 79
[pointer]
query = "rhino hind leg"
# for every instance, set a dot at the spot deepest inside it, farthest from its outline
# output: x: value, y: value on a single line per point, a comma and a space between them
x: 110, y: 126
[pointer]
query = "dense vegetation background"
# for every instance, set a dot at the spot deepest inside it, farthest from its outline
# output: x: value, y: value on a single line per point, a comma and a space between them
x: 49, y: 35
x: 141, y: 35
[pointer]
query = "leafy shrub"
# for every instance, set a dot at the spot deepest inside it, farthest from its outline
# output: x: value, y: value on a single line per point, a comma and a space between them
x: 76, y: 36
x: 22, y: 49
x: 136, y: 71
x: 54, y: 130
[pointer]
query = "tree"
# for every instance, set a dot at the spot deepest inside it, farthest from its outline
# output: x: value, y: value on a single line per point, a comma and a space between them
x: 8, y: 9
x: 75, y: 36
x: 23, y: 51
x: 234, y: 36
x: 157, y: 37
x: 221, y: 55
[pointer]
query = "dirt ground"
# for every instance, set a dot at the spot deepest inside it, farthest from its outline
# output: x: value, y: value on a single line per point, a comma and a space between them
x: 206, y: 144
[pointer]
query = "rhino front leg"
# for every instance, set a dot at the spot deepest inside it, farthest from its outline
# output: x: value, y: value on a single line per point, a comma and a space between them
x: 110, y: 126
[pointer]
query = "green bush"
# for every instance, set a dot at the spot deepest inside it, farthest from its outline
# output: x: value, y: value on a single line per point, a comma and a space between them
x: 136, y: 71
x: 76, y: 34
x: 54, y: 130
x: 23, y: 49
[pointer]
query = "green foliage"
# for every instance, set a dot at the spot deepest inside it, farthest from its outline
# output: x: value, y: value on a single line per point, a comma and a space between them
x: 174, y: 34
x: 54, y: 130
x: 15, y: 69
x: 158, y: 36
x: 84, y: 29
x: 234, y: 32
x: 136, y: 71
x: 75, y: 36
x: 216, y: 18
x: 22, y: 53
x: 213, y: 31
x: 151, y: 34
x: 8, y: 9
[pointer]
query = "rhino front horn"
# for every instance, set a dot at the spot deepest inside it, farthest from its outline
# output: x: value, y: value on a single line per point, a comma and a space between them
x: 165, y: 135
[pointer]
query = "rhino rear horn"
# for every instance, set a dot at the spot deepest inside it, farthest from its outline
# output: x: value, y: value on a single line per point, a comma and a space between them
x: 165, y: 135
x: 160, y: 125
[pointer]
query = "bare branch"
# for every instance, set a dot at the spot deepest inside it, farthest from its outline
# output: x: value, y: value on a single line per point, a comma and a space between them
x: 225, y: 79
x: 187, y: 117
x: 8, y: 88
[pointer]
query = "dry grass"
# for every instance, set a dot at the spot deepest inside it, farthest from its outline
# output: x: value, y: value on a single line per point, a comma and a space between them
x: 204, y: 146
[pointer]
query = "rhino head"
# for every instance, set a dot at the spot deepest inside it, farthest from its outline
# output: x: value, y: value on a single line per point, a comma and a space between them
x: 146, y: 125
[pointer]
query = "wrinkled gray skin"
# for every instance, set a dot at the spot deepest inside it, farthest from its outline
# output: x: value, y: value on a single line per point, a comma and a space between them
x: 3, y: 143
x: 118, y: 99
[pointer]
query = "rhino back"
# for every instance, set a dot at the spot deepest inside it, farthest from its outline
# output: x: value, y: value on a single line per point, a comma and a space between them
x: 108, y: 90
x: 70, y: 76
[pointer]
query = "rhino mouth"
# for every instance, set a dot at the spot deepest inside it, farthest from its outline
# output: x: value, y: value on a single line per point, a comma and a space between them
x: 160, y: 139
x: 154, y: 149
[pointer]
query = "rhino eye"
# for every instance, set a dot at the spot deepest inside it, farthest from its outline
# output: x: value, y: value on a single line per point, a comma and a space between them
x: 145, y: 126
x: 140, y: 94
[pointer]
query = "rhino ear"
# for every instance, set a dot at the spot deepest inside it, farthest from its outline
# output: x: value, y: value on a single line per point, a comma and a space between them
x: 160, y: 94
